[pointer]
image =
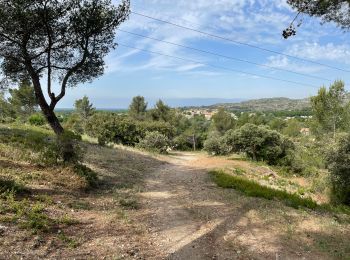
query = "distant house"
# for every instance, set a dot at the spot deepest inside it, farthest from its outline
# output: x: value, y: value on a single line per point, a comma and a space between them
x: 305, y: 131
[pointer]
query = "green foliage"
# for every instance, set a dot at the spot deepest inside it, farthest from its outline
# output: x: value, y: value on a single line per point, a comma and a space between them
x: 331, y: 110
x: 328, y: 11
x: 108, y: 127
x: 75, y: 123
x: 84, y: 108
x: 37, y: 119
x: 87, y: 173
x: 161, y: 112
x: 254, y: 189
x: 25, y: 214
x: 137, y: 108
x: 257, y: 118
x: 23, y: 99
x: 191, y: 133
x: 277, y: 124
x: 79, y: 33
x: 8, y: 185
x: 338, y: 161
x: 129, y: 203
x: 38, y: 145
x: 260, y: 143
x: 59, y: 147
x: 154, y: 142
x: 223, y: 121
x: 292, y: 128
x: 7, y: 113
x: 216, y: 145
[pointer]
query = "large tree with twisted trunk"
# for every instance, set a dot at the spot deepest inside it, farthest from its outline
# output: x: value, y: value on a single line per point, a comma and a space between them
x: 61, y: 42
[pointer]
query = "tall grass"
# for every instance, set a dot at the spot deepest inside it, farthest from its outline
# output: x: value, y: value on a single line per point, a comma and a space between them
x: 254, y: 189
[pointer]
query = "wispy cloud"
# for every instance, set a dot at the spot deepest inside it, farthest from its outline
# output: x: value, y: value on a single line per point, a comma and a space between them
x: 316, y: 51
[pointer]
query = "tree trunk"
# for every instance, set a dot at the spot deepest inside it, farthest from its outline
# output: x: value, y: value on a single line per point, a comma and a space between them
x: 194, y: 142
x: 334, y: 129
x: 52, y: 120
x: 68, y: 153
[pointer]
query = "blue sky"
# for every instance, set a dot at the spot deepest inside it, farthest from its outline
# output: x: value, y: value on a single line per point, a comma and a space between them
x: 130, y: 72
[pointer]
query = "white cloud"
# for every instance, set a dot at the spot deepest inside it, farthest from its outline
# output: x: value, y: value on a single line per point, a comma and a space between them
x: 257, y: 22
x: 283, y: 62
x: 316, y: 51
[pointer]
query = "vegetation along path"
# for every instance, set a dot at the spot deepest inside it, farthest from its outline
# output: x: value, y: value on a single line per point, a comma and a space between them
x: 159, y: 207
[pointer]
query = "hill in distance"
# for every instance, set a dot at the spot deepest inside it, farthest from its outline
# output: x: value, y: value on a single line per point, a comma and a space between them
x: 267, y: 104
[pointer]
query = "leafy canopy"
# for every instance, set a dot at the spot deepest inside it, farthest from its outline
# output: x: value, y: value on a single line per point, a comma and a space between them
x: 61, y: 41
x: 331, y: 108
x: 328, y: 10
x: 84, y: 108
x: 138, y: 107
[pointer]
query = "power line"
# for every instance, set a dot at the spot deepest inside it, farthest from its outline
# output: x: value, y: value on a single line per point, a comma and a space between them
x: 225, y: 56
x: 240, y: 43
x: 216, y: 67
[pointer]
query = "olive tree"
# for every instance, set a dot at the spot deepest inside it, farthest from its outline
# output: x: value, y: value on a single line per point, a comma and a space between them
x: 57, y: 42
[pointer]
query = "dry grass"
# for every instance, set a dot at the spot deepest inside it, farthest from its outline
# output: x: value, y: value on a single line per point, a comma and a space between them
x: 52, y: 212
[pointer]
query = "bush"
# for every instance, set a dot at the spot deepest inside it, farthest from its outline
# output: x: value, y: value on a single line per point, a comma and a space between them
x: 74, y: 123
x: 338, y: 163
x: 37, y: 120
x: 111, y: 128
x: 182, y: 143
x: 155, y: 142
x: 260, y: 143
x: 63, y: 148
x: 87, y: 173
x: 216, y: 145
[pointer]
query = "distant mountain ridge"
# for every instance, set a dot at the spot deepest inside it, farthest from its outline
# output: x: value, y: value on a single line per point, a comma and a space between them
x: 267, y: 104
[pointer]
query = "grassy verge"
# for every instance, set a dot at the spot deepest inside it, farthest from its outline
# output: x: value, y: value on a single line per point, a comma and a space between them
x: 254, y: 189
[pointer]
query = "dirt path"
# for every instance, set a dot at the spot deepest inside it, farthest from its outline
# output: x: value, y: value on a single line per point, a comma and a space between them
x: 189, y: 217
x: 187, y: 213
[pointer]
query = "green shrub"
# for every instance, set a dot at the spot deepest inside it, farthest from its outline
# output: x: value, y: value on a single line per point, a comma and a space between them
x: 216, y: 145
x: 37, y: 119
x: 262, y: 144
x: 155, y: 142
x: 75, y: 124
x: 87, y: 173
x: 7, y: 185
x: 182, y: 143
x: 338, y: 162
x: 254, y: 189
x: 27, y: 215
x: 63, y: 148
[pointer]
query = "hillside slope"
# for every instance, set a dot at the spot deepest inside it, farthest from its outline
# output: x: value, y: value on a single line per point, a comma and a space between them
x: 153, y: 207
x: 267, y: 104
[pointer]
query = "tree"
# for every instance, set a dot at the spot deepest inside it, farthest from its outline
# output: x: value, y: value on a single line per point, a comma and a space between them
x: 330, y: 108
x: 59, y: 41
x: 223, y: 121
x: 6, y: 110
x: 84, y: 108
x: 277, y: 124
x: 293, y: 128
x: 138, y: 107
x: 23, y: 99
x: 161, y: 112
x: 338, y: 163
x: 260, y: 143
x: 155, y: 142
x: 328, y: 11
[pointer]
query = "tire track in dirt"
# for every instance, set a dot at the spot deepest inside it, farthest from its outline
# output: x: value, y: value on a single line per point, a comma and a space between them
x: 187, y: 213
